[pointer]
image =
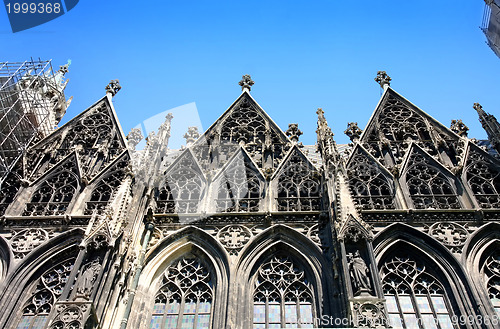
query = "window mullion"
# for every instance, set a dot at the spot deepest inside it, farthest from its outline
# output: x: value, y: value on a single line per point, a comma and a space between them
x: 181, y: 310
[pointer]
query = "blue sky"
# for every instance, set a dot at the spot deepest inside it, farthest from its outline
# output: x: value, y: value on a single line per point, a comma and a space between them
x: 301, y: 56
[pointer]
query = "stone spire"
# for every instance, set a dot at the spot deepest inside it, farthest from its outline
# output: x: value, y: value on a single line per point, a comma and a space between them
x: 383, y: 79
x: 246, y: 83
x: 113, y: 87
x: 490, y: 124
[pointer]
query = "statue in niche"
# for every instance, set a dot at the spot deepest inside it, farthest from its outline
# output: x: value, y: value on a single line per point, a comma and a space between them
x: 359, y: 272
x: 87, y: 279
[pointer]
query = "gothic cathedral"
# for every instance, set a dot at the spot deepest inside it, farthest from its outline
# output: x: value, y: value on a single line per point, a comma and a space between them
x: 245, y: 227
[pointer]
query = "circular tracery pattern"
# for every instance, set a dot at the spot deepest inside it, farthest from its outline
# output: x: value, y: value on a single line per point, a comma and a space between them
x: 26, y: 240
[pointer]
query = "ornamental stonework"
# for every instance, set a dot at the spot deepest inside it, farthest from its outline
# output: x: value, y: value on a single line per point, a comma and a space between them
x: 452, y: 235
x: 24, y: 241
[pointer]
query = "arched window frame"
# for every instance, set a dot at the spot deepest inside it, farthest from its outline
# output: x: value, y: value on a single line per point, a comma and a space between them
x: 183, y: 187
x: 424, y: 178
x: 370, y: 186
x: 482, y: 177
x: 277, y: 308
x: 55, y: 194
x: 297, y: 184
x: 171, y: 307
x: 44, y: 294
x: 419, y: 299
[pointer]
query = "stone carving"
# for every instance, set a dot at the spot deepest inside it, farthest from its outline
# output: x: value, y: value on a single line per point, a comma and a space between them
x: 134, y: 137
x: 369, y: 315
x: 113, y: 87
x: 246, y: 82
x: 458, y: 127
x: 483, y: 177
x: 383, y: 79
x: 452, y: 235
x: 491, y: 270
x: 191, y: 136
x: 293, y: 132
x: 359, y: 273
x: 26, y: 240
x: 72, y: 315
x: 353, y: 131
x: 234, y: 237
x: 88, y: 278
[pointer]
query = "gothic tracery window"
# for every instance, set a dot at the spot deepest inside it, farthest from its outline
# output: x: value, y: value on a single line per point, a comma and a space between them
x: 185, y: 297
x: 414, y: 297
x: 182, y: 190
x: 103, y: 192
x: 8, y: 191
x: 491, y: 270
x: 283, y: 296
x: 298, y: 186
x: 239, y: 191
x: 483, y: 178
x: 49, y: 287
x: 371, y: 189
x: 54, y: 195
x: 428, y: 187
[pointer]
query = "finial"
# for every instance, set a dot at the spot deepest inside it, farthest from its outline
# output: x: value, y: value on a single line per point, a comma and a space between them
x: 165, y: 126
x: 293, y: 132
x: 113, y: 87
x: 353, y: 131
x: 63, y: 69
x: 459, y: 128
x: 383, y: 79
x: 477, y: 107
x: 191, y: 135
x: 134, y: 137
x: 246, y: 82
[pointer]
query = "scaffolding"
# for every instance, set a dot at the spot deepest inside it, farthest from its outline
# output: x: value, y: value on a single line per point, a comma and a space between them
x: 32, y: 103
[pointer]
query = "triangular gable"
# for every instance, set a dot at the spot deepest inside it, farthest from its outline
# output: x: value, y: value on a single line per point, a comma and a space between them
x: 114, y: 165
x: 416, y: 149
x: 185, y: 161
x: 111, y: 119
x: 69, y: 162
x: 244, y: 110
x: 482, y: 175
x: 240, y: 157
x: 354, y: 230
x: 294, y: 153
x: 397, y: 119
x: 359, y: 149
x: 95, y: 131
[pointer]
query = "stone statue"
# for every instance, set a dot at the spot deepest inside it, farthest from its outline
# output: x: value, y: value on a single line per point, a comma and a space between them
x: 359, y: 272
x: 87, y: 279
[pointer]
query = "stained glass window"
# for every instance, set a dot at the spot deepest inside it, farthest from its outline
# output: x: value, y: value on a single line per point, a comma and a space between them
x: 50, y: 286
x: 185, y: 298
x: 415, y: 299
x: 283, y: 297
x: 491, y: 270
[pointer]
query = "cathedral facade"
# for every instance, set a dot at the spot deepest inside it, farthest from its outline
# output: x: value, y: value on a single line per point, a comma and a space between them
x: 245, y: 227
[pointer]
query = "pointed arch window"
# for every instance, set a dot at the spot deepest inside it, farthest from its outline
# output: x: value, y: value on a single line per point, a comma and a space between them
x: 428, y: 187
x: 298, y: 186
x: 49, y: 288
x: 483, y: 178
x: 185, y: 297
x: 103, y: 192
x: 491, y: 270
x: 54, y: 195
x: 182, y: 190
x: 283, y: 296
x: 414, y: 297
x: 370, y: 188
x: 239, y: 191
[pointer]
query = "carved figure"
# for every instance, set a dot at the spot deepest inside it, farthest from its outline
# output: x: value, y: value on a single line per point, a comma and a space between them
x: 359, y: 272
x: 88, y: 278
